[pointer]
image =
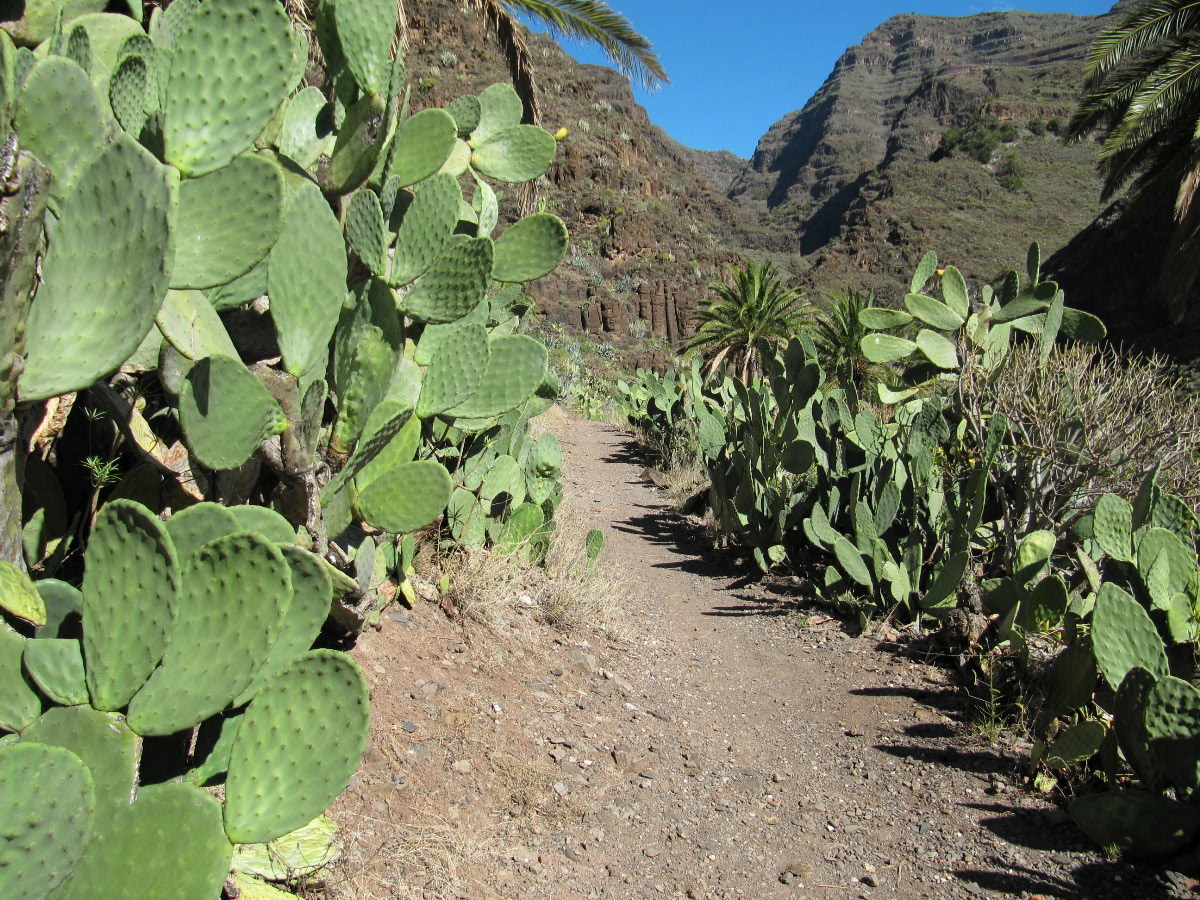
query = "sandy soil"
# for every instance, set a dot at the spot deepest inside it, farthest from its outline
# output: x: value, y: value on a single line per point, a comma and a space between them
x: 735, y: 744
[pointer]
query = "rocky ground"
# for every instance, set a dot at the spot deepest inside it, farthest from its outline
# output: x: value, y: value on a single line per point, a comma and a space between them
x: 733, y: 744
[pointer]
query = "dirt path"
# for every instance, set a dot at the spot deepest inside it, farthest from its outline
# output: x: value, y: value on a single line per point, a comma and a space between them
x: 733, y: 747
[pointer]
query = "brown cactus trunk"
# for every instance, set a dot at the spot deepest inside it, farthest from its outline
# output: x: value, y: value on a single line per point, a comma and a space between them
x: 22, y: 205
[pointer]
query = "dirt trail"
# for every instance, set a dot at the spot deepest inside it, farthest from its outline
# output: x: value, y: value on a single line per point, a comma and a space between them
x: 736, y: 746
x: 789, y: 746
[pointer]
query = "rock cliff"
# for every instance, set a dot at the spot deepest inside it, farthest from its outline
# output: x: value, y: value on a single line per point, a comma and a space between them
x: 860, y: 182
x: 933, y: 133
x: 648, y: 217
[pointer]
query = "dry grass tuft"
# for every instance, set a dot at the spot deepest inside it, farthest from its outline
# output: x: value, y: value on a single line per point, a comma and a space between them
x: 418, y: 859
x: 500, y: 592
x: 556, y: 419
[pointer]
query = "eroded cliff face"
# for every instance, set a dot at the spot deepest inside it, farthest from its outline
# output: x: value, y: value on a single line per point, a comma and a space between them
x: 848, y: 191
x: 855, y: 182
x: 648, y: 217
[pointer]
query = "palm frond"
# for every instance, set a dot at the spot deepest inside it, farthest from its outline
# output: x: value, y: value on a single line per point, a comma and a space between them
x: 1145, y: 26
x: 592, y: 20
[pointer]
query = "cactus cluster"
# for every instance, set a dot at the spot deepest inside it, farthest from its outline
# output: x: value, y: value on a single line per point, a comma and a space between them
x: 800, y: 464
x: 366, y: 236
x: 203, y: 624
x: 1122, y: 588
x: 506, y: 488
x: 297, y: 296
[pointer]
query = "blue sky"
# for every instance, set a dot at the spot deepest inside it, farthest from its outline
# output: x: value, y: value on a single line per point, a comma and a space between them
x: 736, y: 68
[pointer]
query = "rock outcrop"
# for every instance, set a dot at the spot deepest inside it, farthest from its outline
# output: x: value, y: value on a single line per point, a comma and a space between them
x: 848, y: 191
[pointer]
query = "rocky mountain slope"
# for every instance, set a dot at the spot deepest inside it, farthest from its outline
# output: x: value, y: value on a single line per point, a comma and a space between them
x: 648, y: 217
x: 933, y: 133
x: 860, y: 182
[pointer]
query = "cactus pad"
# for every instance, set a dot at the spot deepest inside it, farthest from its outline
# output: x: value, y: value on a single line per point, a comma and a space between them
x: 217, y: 237
x: 456, y: 371
x: 61, y: 121
x: 459, y: 161
x: 1135, y: 822
x: 1044, y: 607
x: 56, y: 667
x: 297, y: 854
x: 365, y: 29
x: 503, y: 476
x: 938, y: 349
x: 129, y: 93
x: 1172, y: 725
x: 531, y: 248
x: 240, y: 291
x: 394, y: 443
x: 954, y: 292
x: 515, y: 154
x: 299, y: 743
x: 1163, y: 551
x: 1129, y: 722
x: 933, y: 312
x: 192, y: 326
x: 18, y: 595
x: 467, y: 520
x: 191, y: 864
x: 374, y: 364
x: 881, y: 318
x: 304, y: 134
x: 405, y: 498
x: 234, y: 592
x: 226, y: 412
x: 499, y: 107
x: 64, y: 608
x: 230, y: 67
x: 365, y: 230
x: 516, y: 366
x: 454, y: 285
x: 886, y: 348
x: 106, y: 745
x: 47, y: 797
x: 1124, y: 636
x: 19, y: 703
x: 1112, y: 527
x: 192, y: 528
x: 129, y: 590
x: 264, y: 521
x: 104, y: 275
x: 312, y: 592
x: 851, y: 561
x: 521, y: 528
x: 306, y: 279
x: 1077, y: 744
x: 426, y: 227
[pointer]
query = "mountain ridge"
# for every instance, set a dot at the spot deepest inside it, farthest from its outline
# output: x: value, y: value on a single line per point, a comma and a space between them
x: 847, y: 191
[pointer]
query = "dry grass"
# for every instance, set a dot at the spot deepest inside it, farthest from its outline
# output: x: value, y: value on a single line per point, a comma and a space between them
x: 420, y: 858
x: 500, y: 592
x: 556, y: 419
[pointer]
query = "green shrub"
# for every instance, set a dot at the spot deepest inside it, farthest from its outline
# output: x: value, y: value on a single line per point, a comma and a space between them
x: 1009, y: 173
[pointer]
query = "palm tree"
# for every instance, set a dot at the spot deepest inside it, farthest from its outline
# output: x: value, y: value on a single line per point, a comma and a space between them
x: 583, y: 20
x: 836, y: 330
x: 1143, y: 93
x: 758, y: 306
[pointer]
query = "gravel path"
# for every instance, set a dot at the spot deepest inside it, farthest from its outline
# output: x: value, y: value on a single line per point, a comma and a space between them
x: 737, y: 745
x: 782, y: 758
